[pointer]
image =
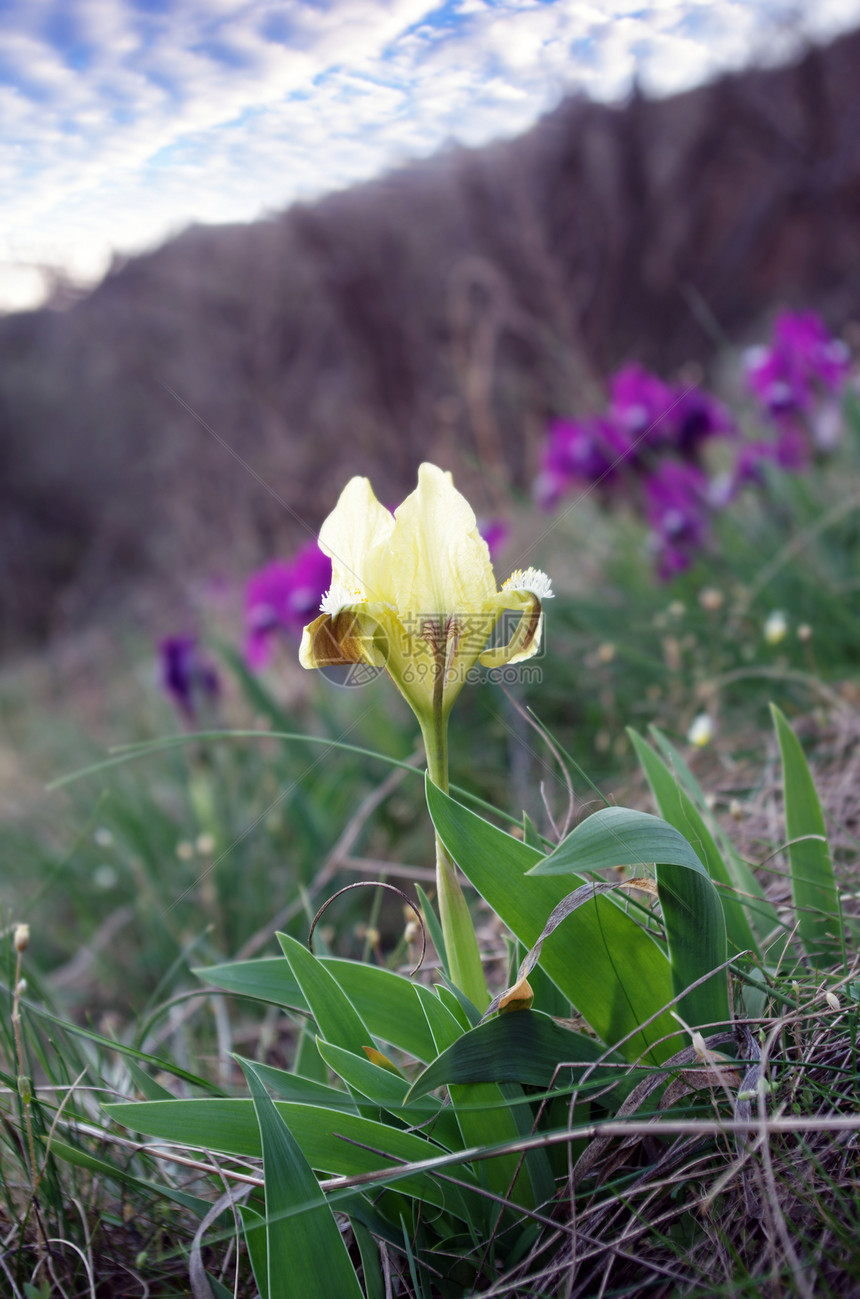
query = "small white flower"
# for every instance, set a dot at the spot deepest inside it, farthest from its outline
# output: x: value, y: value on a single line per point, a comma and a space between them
x: 103, y: 837
x: 775, y: 627
x: 702, y: 731
x: 530, y: 579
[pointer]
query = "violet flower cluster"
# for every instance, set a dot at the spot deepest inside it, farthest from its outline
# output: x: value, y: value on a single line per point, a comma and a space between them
x: 797, y: 383
x: 648, y: 446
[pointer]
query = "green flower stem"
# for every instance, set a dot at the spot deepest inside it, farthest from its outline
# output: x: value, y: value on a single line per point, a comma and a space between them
x: 461, y: 944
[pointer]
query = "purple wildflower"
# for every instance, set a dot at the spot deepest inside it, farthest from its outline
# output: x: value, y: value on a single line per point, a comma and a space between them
x: 797, y: 378
x: 677, y: 511
x: 696, y: 416
x: 641, y: 403
x: 808, y: 352
x: 187, y: 675
x: 283, y: 597
x: 650, y: 442
x: 579, y: 453
x: 658, y: 416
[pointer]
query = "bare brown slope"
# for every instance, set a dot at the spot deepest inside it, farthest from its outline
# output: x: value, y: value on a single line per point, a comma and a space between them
x: 442, y: 311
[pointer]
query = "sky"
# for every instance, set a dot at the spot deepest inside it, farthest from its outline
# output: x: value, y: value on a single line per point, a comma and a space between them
x: 123, y: 121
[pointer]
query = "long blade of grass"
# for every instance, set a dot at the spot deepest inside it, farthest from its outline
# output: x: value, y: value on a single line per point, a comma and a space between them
x: 386, y: 1002
x: 256, y: 1238
x: 125, y: 753
x: 336, y: 1017
x: 305, y: 1252
x: 813, y: 885
x: 337, y: 1143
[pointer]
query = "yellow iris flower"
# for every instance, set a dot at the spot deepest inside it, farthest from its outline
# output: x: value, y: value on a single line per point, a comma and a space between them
x: 414, y: 592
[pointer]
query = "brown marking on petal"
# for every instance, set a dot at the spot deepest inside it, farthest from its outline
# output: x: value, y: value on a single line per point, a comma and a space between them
x: 430, y: 630
x: 526, y: 633
x: 338, y: 641
x: 532, y: 620
x: 453, y: 633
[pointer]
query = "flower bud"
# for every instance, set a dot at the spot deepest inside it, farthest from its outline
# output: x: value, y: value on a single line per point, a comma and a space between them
x: 21, y: 938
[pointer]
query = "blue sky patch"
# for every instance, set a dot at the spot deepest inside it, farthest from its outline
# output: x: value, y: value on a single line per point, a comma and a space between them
x: 126, y: 119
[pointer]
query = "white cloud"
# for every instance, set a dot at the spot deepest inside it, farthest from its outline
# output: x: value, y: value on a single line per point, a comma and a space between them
x: 21, y: 287
x: 122, y: 123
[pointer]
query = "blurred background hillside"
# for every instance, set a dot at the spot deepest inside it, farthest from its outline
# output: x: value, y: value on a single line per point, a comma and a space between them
x: 199, y: 410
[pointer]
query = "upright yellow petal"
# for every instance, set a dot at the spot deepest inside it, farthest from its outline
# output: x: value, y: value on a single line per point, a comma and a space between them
x: 438, y: 562
x: 354, y: 536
